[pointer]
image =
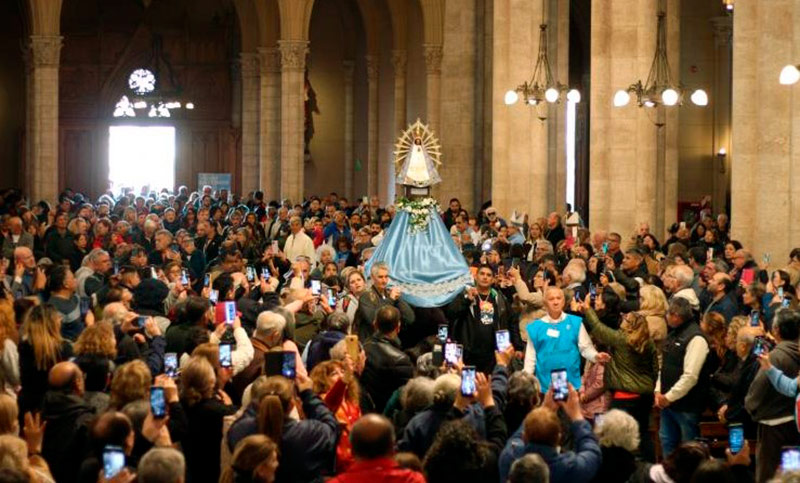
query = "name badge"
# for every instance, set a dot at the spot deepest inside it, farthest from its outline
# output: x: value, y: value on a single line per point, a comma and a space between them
x: 552, y: 333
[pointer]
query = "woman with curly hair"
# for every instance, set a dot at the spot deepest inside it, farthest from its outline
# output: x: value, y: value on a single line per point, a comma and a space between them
x: 9, y: 355
x: 131, y: 382
x: 95, y: 350
x: 255, y: 460
x: 334, y: 383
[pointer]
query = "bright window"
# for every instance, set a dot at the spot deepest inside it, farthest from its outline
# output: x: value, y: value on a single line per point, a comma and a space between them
x: 141, y: 156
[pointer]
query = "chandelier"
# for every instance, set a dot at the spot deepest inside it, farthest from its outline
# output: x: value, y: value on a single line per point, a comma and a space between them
x: 659, y: 89
x: 542, y: 88
x: 790, y: 75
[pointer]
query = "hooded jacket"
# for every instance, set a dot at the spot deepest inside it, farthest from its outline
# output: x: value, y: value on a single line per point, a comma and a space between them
x: 763, y: 401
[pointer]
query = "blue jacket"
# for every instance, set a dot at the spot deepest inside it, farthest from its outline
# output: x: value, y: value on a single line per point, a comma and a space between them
x: 571, y: 467
x: 308, y: 447
x: 784, y: 385
x: 725, y: 306
x: 419, y: 433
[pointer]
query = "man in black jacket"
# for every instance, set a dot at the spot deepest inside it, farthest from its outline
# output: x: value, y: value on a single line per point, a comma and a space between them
x: 387, y: 367
x: 474, y: 318
x: 377, y: 296
x: 773, y: 411
x: 67, y: 417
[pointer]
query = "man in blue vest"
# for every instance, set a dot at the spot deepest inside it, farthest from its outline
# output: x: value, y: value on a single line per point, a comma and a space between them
x: 557, y: 341
x: 681, y: 389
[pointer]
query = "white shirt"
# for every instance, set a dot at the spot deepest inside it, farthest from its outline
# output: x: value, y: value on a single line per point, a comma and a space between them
x: 299, y: 244
x: 585, y: 345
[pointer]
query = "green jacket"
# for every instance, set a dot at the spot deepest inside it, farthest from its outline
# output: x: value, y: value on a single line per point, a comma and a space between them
x: 628, y: 370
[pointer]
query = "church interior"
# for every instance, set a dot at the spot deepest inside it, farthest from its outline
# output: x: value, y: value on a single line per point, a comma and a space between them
x: 301, y: 97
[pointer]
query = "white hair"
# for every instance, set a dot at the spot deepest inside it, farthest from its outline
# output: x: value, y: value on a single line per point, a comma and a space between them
x: 269, y: 323
x: 575, y: 272
x: 684, y: 276
x: 325, y: 248
x: 620, y: 429
x: 161, y: 465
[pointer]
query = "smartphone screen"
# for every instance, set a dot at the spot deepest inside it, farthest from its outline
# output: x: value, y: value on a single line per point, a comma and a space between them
x: 760, y: 345
x: 780, y: 292
x: 153, y: 273
x: 736, y: 437
x: 502, y: 339
x: 442, y: 333
x: 605, y: 248
x: 113, y: 461
x: 487, y: 245
x: 230, y: 312
x: 790, y: 458
x: 141, y: 321
x: 265, y: 274
x: 116, y: 268
x: 288, y: 365
x: 748, y: 275
x: 558, y: 379
x: 468, y: 381
x: 450, y: 353
x: 213, y: 296
x: 331, y: 299
x: 754, y: 318
x: 316, y: 287
x: 185, y: 277
x: 158, y: 405
x: 459, y: 352
x: 275, y: 247
x: 207, y: 280
x: 438, y: 356
x: 171, y: 364
x: 225, y: 355
x: 251, y: 273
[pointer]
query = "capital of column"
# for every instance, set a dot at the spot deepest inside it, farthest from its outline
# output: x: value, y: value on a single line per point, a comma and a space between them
x: 248, y: 62
x: 433, y: 58
x: 45, y: 50
x: 270, y: 58
x: 399, y: 62
x: 293, y: 54
x: 372, y: 67
x: 723, y: 30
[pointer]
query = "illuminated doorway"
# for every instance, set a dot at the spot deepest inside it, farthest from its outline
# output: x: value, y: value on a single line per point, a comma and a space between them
x: 141, y: 156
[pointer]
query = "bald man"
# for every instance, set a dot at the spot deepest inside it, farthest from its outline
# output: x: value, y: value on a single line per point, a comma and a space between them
x: 67, y: 416
x: 372, y: 438
x: 15, y: 236
x: 22, y: 280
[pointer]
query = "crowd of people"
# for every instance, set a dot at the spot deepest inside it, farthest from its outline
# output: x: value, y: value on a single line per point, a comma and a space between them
x: 203, y: 337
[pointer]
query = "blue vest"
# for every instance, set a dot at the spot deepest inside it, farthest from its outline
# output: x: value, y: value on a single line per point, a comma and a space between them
x: 556, y: 346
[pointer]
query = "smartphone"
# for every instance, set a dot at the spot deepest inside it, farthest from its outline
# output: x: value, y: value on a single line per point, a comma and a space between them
x: 459, y: 352
x: 442, y: 333
x: 116, y: 267
x: 158, y: 405
x: 766, y: 257
x: 785, y: 302
x: 790, y: 458
x: 558, y: 380
x: 251, y: 273
x: 153, y: 273
x: 85, y: 305
x: 185, y: 277
x: 754, y: 319
x: 352, y: 347
x: 468, y: 387
x: 275, y: 247
x: 598, y: 419
x: 760, y: 345
x: 141, y: 321
x: 288, y: 365
x: 113, y: 461
x: 331, y: 299
x: 207, y: 280
x: 710, y: 254
x: 487, y: 245
x: 450, y: 353
x: 365, y: 200
x: 682, y: 225
x: 225, y: 354
x: 605, y: 248
x: 213, y: 296
x: 438, y: 356
x: 230, y: 312
x: 748, y: 275
x: 316, y: 288
x: 171, y: 364
x: 735, y: 437
x: 780, y: 293
x: 502, y: 339
x: 265, y: 274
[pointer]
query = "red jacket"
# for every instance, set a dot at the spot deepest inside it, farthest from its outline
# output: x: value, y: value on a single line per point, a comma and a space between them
x: 381, y: 470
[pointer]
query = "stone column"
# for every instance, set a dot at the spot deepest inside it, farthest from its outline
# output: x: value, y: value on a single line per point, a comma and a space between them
x: 633, y: 172
x: 765, y: 152
x: 293, y: 64
x: 45, y: 53
x: 269, y: 153
x: 372, y: 124
x: 249, y: 62
x: 348, y: 67
x: 723, y: 33
x: 399, y: 63
x: 433, y: 71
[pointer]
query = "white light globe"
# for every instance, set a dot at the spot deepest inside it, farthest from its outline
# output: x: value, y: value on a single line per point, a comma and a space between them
x: 511, y: 98
x: 551, y: 95
x: 789, y: 75
x: 621, y: 98
x: 574, y: 96
x: 670, y: 97
x: 189, y: 105
x: 700, y: 98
